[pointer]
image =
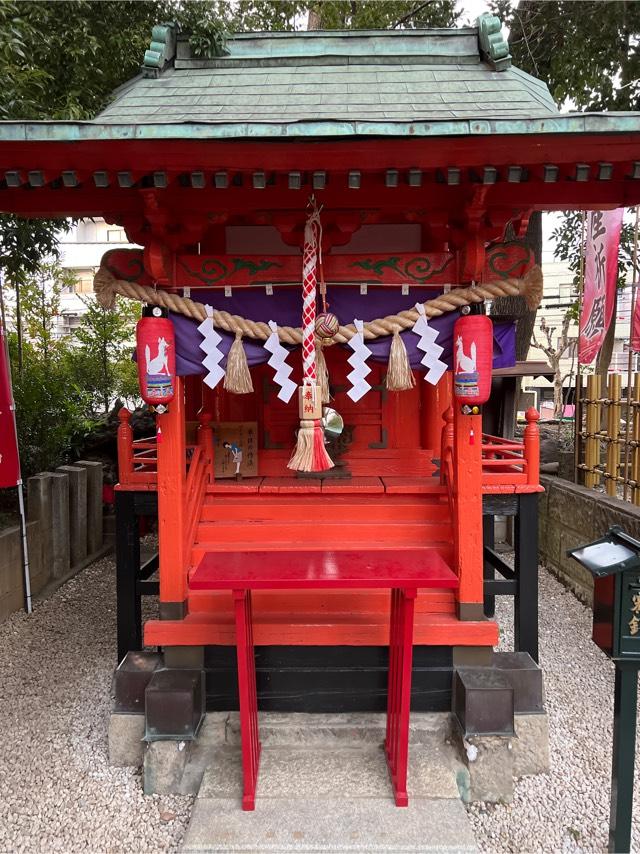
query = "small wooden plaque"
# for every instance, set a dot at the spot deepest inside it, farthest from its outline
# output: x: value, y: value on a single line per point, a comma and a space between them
x: 309, y: 403
x: 244, y: 436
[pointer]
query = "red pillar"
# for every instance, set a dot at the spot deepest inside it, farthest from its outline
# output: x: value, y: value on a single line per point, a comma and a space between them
x: 125, y: 446
x: 532, y: 446
x: 171, y: 509
x: 468, y: 522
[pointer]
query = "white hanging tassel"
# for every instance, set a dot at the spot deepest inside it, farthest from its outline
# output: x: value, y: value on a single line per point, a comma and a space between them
x: 399, y: 374
x: 358, y: 361
x: 237, y: 378
x: 213, y: 354
x: 427, y: 344
x: 278, y: 361
x: 322, y: 374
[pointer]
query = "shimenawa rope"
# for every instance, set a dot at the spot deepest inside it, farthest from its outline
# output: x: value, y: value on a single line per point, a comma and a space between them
x: 107, y: 286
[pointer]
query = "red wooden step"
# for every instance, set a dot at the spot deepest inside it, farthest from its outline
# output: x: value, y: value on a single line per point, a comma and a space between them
x: 341, y: 509
x: 299, y: 570
x: 442, y: 546
x: 429, y: 601
x: 287, y: 629
x: 335, y: 534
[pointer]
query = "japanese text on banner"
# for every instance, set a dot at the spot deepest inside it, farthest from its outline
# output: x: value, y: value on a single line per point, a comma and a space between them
x: 600, y: 279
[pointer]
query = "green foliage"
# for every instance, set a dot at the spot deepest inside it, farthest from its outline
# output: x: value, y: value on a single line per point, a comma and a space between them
x: 67, y: 384
x: 384, y: 14
x: 50, y: 410
x: 586, y: 52
x: 100, y: 362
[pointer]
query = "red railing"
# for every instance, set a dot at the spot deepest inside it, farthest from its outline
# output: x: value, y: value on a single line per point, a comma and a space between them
x: 509, y: 462
x: 197, y: 479
x: 138, y: 458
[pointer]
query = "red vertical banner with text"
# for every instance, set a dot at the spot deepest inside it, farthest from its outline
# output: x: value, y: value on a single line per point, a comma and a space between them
x: 600, y: 280
x: 634, y: 340
x: 9, y: 459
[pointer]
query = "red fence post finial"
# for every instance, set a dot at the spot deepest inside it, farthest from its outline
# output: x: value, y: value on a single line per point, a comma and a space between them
x: 447, y: 441
x: 125, y: 446
x: 205, y: 440
x: 532, y: 446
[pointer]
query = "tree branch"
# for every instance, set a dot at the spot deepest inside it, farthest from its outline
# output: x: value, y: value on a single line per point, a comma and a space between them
x: 410, y: 14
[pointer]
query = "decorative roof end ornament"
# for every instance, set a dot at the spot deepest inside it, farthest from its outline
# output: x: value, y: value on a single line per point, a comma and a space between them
x: 493, y: 46
x: 162, y: 50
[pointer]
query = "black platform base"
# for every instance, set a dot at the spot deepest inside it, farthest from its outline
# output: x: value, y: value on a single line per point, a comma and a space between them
x: 328, y: 678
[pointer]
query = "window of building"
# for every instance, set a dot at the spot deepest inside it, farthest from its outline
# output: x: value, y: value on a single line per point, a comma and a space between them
x: 116, y: 235
x: 84, y: 284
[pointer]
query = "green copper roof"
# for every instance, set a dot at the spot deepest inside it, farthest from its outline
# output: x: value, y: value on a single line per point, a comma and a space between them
x: 349, y: 79
x: 569, y: 123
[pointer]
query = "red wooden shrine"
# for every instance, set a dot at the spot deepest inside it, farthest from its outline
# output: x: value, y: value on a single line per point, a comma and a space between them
x: 421, y: 184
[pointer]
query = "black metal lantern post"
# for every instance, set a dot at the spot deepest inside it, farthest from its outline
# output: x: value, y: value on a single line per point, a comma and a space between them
x: 614, y: 562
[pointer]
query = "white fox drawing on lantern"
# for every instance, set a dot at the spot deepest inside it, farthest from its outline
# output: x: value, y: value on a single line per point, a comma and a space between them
x: 159, y: 364
x: 465, y: 364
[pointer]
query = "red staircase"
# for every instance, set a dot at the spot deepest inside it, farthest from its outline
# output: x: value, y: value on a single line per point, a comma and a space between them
x: 277, y: 515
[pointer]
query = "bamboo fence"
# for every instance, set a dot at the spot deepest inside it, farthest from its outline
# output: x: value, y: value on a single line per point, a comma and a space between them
x: 608, y: 450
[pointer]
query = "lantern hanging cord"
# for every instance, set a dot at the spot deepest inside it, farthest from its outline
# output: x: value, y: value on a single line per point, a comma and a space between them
x: 107, y: 286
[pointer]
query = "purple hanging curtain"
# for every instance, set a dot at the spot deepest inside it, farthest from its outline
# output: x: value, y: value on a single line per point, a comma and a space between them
x: 284, y: 307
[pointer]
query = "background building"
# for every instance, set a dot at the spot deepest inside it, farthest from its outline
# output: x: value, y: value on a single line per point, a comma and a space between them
x: 80, y: 251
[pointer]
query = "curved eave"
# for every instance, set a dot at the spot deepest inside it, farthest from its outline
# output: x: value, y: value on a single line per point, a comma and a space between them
x: 578, y: 123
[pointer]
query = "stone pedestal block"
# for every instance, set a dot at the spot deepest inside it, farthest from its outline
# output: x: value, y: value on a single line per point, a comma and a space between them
x: 531, y: 747
x: 11, y: 598
x: 163, y: 766
x: 77, y: 511
x: 126, y: 746
x: 490, y: 762
x: 94, y: 504
x: 39, y: 574
x: 39, y: 509
x: 61, y: 555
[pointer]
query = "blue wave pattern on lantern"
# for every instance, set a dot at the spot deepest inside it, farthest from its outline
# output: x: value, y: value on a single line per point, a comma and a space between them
x: 159, y: 385
x: 467, y: 384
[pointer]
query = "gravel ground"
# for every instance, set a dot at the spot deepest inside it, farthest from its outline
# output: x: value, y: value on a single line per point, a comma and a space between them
x: 57, y: 791
x: 568, y: 809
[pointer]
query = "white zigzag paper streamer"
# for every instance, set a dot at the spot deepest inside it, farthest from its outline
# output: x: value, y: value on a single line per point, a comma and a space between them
x: 427, y: 344
x: 213, y: 354
x: 278, y: 362
x: 358, y: 361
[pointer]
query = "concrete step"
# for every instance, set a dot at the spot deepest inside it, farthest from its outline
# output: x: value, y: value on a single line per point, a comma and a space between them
x: 324, y: 786
x: 430, y: 730
x: 335, y: 825
x: 321, y: 773
x: 219, y: 741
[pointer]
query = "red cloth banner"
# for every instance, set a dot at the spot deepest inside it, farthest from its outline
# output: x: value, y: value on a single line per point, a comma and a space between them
x: 635, y: 328
x: 9, y: 459
x: 600, y: 278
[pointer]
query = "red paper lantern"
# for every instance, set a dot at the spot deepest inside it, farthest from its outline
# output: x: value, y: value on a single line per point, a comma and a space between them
x: 156, y: 350
x: 472, y: 358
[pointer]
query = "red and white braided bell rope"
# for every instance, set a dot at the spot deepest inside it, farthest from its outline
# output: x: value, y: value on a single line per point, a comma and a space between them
x: 310, y: 253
